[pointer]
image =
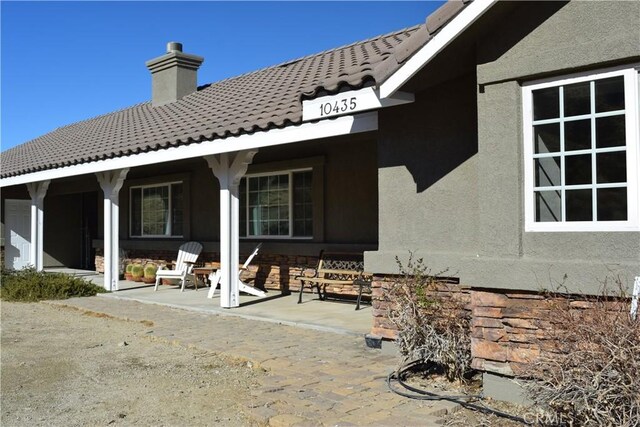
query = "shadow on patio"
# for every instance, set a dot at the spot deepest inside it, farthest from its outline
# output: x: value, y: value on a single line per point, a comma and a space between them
x: 330, y: 316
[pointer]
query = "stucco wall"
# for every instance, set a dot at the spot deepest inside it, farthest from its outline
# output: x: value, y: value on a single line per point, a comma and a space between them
x: 428, y: 171
x: 549, y: 38
x: 477, y: 229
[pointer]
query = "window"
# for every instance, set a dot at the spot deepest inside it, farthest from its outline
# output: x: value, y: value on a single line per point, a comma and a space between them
x: 581, y: 153
x: 277, y: 205
x: 157, y: 210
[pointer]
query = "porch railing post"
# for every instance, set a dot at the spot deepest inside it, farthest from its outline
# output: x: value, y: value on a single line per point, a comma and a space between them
x: 228, y: 298
x: 111, y: 182
x: 229, y: 169
x: 37, y: 191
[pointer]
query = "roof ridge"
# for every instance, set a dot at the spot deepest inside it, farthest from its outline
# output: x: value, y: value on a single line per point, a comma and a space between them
x: 294, y: 60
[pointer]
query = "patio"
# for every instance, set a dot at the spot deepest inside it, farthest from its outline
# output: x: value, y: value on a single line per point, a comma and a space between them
x: 329, y: 316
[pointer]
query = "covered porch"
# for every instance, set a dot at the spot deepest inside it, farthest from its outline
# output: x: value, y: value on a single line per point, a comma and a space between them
x: 276, y: 307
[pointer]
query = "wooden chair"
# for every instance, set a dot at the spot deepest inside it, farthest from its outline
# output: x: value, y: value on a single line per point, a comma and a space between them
x: 187, y: 256
x: 214, y: 278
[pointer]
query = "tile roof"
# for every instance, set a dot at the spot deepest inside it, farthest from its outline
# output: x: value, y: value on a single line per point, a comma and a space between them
x: 256, y: 101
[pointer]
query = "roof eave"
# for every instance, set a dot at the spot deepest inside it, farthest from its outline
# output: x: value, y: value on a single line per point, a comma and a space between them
x: 345, y: 125
x: 434, y: 46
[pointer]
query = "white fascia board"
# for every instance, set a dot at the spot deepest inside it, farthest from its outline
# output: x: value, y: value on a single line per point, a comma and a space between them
x: 305, y: 132
x: 349, y: 102
x: 441, y: 40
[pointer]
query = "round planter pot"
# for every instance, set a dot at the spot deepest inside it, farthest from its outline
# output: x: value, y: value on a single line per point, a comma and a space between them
x: 128, y: 276
x: 137, y: 279
x: 149, y: 280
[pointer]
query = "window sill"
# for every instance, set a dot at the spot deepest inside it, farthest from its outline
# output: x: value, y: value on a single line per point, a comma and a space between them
x: 613, y: 226
x: 274, y: 238
x: 155, y: 237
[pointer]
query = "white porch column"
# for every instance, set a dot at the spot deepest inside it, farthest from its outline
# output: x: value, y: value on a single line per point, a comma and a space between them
x: 111, y: 183
x: 37, y: 191
x: 229, y: 168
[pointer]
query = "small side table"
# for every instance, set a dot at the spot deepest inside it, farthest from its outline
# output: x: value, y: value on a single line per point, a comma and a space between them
x: 202, y: 273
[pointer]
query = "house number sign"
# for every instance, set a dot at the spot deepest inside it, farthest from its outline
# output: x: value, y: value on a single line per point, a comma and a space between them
x: 345, y: 103
x: 340, y: 104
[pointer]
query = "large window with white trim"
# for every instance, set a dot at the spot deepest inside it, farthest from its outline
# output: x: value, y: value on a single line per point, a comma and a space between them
x: 277, y: 205
x: 157, y: 210
x: 581, y: 153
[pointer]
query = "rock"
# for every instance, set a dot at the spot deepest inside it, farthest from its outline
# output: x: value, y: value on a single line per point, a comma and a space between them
x: 123, y: 344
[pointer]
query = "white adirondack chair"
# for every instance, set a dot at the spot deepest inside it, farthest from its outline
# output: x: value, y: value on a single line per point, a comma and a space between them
x: 187, y: 256
x: 214, y: 278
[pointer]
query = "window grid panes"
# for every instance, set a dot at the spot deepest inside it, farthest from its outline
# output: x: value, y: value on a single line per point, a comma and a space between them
x: 579, y: 152
x: 277, y: 205
x: 157, y: 210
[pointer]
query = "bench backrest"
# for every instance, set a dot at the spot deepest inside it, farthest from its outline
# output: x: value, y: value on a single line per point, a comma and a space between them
x: 340, y: 266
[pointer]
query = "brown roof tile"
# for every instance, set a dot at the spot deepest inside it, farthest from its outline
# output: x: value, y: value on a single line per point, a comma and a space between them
x: 257, y: 101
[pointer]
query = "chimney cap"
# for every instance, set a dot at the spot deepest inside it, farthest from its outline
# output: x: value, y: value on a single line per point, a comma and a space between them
x: 174, y: 47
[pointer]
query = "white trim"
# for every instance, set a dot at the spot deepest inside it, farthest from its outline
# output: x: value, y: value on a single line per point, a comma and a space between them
x: 580, y: 77
x: 278, y: 172
x: 350, y: 102
x: 364, y: 122
x: 290, y: 236
x: 229, y: 170
x: 434, y: 46
x: 111, y: 183
x: 169, y: 215
x: 632, y: 148
x: 23, y: 208
x: 37, y: 191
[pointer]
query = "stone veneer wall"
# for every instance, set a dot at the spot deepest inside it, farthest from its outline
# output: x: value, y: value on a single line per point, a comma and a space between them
x: 381, y: 304
x: 509, y: 329
x: 269, y: 271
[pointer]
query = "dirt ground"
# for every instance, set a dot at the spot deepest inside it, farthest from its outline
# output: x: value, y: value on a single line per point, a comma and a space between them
x: 63, y: 368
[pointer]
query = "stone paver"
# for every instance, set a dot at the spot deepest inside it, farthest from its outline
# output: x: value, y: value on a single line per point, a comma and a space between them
x: 312, y: 377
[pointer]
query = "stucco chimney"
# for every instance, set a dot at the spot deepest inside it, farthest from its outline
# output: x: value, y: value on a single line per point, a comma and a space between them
x: 173, y: 75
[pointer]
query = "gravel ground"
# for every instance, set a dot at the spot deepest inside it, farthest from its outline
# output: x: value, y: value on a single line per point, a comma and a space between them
x: 60, y: 367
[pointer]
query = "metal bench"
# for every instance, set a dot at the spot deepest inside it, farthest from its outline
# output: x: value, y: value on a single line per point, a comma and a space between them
x: 334, y: 270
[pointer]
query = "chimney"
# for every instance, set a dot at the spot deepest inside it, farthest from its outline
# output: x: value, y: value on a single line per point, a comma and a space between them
x: 173, y: 75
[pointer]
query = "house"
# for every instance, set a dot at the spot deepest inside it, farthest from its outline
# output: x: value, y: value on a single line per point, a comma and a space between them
x: 498, y: 139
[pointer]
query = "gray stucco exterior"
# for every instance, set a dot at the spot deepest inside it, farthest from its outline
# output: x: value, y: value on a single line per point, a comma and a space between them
x: 443, y: 176
x: 471, y: 218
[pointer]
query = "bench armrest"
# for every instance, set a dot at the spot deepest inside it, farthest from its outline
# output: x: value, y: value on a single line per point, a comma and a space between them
x: 305, y: 274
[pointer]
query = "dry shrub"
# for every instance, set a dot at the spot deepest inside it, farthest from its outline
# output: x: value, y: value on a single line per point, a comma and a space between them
x: 29, y: 285
x: 432, y: 323
x: 591, y: 376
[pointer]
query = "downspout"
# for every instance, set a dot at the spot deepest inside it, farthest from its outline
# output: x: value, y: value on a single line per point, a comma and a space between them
x: 634, y: 298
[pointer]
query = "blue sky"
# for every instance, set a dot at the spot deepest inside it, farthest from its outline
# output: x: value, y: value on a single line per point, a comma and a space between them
x: 67, y: 61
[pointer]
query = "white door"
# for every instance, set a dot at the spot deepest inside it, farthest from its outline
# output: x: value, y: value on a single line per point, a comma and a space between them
x: 17, y: 233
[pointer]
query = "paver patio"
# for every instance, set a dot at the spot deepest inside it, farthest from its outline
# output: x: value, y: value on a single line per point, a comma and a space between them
x: 312, y: 377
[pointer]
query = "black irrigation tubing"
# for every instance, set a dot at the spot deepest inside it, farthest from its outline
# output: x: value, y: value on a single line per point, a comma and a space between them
x: 421, y: 394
